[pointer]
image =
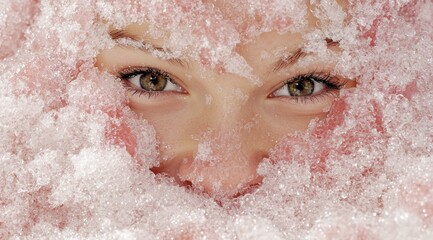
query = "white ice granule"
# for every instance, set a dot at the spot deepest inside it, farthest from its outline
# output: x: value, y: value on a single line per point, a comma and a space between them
x: 204, y: 152
x: 46, y: 165
x: 15, y: 17
x: 75, y: 160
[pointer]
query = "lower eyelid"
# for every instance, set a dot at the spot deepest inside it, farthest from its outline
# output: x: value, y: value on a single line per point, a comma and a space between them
x: 312, y: 99
x: 332, y: 93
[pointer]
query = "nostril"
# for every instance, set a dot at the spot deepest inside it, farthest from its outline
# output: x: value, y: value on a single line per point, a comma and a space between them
x: 167, y: 173
x: 203, y: 188
x: 218, y: 179
x: 249, y: 187
x: 187, y: 184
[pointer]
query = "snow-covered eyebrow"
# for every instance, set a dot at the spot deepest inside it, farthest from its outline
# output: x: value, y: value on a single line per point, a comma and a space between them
x: 119, y: 34
x: 291, y: 59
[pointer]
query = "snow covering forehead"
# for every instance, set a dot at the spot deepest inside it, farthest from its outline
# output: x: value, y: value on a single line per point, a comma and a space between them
x: 75, y: 160
x: 207, y: 30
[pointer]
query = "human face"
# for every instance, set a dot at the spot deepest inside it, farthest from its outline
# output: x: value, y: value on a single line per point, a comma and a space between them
x: 215, y: 127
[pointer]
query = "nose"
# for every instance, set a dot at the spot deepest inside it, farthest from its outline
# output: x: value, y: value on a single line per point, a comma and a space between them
x: 224, y: 164
x: 225, y: 158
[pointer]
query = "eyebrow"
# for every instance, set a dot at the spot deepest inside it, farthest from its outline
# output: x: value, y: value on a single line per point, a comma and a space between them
x: 289, y: 60
x: 119, y: 34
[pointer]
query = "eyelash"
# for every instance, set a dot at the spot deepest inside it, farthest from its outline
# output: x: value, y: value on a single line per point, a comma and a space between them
x: 332, y: 83
x: 130, y: 72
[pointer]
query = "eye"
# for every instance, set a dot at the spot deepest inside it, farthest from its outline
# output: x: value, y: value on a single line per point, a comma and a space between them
x: 149, y: 80
x: 307, y: 86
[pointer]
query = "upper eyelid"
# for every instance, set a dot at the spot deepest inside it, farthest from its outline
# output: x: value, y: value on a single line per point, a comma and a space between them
x: 133, y: 71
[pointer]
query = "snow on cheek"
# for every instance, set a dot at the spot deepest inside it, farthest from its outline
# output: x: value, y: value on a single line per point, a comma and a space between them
x: 74, y: 159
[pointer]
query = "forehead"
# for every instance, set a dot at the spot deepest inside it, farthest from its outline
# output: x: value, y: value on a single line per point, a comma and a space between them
x: 223, y: 34
x: 259, y: 53
x: 220, y: 20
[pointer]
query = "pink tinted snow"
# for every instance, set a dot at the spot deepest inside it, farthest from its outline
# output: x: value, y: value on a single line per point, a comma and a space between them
x: 74, y: 159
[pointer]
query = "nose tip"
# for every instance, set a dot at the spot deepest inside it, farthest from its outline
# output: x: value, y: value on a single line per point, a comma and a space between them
x: 222, y: 175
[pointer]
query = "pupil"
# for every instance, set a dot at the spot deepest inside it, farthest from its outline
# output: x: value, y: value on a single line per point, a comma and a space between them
x: 154, y: 80
x: 300, y: 86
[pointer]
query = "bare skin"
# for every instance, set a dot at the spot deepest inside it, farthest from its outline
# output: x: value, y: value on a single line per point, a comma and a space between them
x: 215, y: 128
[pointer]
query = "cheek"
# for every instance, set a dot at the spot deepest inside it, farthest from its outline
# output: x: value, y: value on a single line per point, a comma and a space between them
x: 175, y: 123
x: 180, y: 122
x: 214, y: 148
x: 281, y: 119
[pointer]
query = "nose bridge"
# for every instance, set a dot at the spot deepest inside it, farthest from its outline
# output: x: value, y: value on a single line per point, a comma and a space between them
x: 230, y: 105
x: 229, y: 120
x: 231, y: 108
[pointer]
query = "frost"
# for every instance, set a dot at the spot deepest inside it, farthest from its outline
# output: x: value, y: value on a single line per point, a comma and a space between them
x: 75, y: 160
